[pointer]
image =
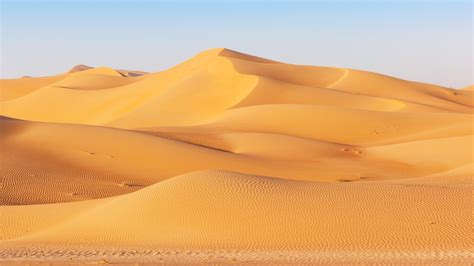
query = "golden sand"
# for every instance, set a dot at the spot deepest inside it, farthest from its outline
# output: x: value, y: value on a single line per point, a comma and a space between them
x: 231, y: 158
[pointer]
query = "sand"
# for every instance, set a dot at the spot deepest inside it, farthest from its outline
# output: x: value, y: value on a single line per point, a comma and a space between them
x: 232, y: 158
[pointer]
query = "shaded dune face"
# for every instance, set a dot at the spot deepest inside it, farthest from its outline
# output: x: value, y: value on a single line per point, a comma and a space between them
x: 237, y: 155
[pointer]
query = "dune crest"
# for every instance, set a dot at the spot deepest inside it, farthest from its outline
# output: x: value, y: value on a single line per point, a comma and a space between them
x: 229, y: 157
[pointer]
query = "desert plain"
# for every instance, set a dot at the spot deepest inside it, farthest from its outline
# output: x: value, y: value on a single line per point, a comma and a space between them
x: 232, y: 158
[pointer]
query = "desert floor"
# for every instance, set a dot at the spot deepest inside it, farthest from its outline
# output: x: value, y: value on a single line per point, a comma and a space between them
x: 231, y: 158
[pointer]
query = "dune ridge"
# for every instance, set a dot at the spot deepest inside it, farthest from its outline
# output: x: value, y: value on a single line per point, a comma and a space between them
x: 229, y: 157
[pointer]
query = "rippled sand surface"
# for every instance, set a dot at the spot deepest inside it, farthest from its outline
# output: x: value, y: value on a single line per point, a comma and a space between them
x: 231, y: 158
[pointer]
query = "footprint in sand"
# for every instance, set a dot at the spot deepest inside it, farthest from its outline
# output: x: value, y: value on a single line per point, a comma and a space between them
x: 94, y: 153
x: 128, y: 184
x: 355, y: 151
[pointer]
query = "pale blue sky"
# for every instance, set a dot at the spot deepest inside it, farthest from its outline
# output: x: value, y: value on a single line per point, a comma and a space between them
x: 428, y: 41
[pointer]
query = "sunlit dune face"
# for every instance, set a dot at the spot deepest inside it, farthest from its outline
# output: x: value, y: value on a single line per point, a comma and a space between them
x: 229, y: 157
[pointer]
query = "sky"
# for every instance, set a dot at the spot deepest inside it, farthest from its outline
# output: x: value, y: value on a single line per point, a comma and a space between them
x: 427, y: 41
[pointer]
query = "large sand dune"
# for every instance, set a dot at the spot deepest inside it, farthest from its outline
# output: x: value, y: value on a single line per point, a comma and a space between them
x: 229, y: 157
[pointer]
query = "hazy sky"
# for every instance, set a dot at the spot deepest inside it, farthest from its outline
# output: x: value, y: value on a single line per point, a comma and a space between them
x: 429, y: 41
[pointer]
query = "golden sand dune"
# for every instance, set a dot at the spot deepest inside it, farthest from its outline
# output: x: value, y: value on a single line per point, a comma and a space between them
x: 229, y: 157
x: 63, y: 170
x: 205, y: 86
x: 216, y: 210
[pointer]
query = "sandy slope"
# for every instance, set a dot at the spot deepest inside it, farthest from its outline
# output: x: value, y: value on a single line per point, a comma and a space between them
x: 216, y: 210
x: 230, y: 157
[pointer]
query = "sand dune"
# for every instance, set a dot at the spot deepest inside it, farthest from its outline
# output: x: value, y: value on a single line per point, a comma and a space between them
x: 247, y: 205
x: 228, y: 157
x: 14, y: 88
x: 191, y: 93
